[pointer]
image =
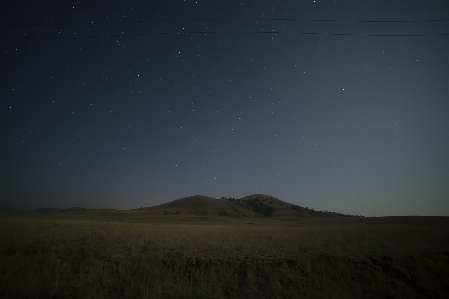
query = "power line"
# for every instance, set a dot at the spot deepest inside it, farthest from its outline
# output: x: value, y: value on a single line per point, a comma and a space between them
x: 215, y: 32
x: 226, y: 19
x: 27, y: 35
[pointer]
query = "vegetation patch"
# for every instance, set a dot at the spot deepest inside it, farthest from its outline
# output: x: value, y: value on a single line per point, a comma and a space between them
x: 71, y: 257
x: 257, y: 206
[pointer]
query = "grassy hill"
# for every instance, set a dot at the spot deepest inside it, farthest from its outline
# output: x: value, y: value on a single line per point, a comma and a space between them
x: 256, y: 208
x: 252, y: 206
x: 198, y: 205
x: 193, y: 202
x: 272, y: 207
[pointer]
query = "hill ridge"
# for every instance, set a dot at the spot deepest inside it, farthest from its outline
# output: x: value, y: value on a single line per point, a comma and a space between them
x: 255, y: 205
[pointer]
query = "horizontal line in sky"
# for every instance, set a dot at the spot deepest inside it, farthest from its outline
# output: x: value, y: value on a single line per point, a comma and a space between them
x: 217, y: 32
x: 230, y: 19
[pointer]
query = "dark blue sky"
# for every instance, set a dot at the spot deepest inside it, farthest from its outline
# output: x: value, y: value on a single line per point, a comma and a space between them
x: 334, y: 105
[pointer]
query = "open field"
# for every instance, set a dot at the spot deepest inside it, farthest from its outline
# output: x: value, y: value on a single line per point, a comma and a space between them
x: 134, y: 254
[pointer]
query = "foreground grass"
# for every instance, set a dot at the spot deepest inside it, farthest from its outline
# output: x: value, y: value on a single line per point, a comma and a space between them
x: 47, y: 256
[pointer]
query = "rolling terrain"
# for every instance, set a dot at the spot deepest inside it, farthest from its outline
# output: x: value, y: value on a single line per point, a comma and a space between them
x: 200, y: 207
x: 200, y: 247
x: 253, y: 206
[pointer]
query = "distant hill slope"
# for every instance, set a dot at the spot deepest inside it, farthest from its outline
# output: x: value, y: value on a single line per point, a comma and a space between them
x: 199, y: 205
x: 268, y: 206
x: 6, y: 208
x: 196, y: 201
x: 256, y: 205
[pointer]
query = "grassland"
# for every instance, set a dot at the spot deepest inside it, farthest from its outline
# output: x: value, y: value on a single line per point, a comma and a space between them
x: 146, y: 254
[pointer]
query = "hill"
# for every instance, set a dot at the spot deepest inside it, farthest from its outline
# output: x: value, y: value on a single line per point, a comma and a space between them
x: 256, y: 205
x: 198, y: 205
x: 268, y: 206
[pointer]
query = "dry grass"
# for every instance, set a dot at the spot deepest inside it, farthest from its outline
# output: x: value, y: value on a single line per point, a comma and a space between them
x: 105, y: 255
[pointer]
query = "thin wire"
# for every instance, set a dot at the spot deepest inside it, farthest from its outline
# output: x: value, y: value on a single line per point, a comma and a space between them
x: 222, y: 32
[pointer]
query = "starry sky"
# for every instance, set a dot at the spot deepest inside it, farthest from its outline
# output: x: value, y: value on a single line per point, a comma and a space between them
x: 334, y: 105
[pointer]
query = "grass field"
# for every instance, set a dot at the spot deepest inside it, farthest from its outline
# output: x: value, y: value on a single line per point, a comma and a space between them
x: 129, y: 254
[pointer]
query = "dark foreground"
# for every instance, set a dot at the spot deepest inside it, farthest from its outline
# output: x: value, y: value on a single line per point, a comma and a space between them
x: 114, y: 255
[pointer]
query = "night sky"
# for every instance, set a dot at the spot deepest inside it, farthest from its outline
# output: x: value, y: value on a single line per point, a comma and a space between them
x: 333, y: 105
